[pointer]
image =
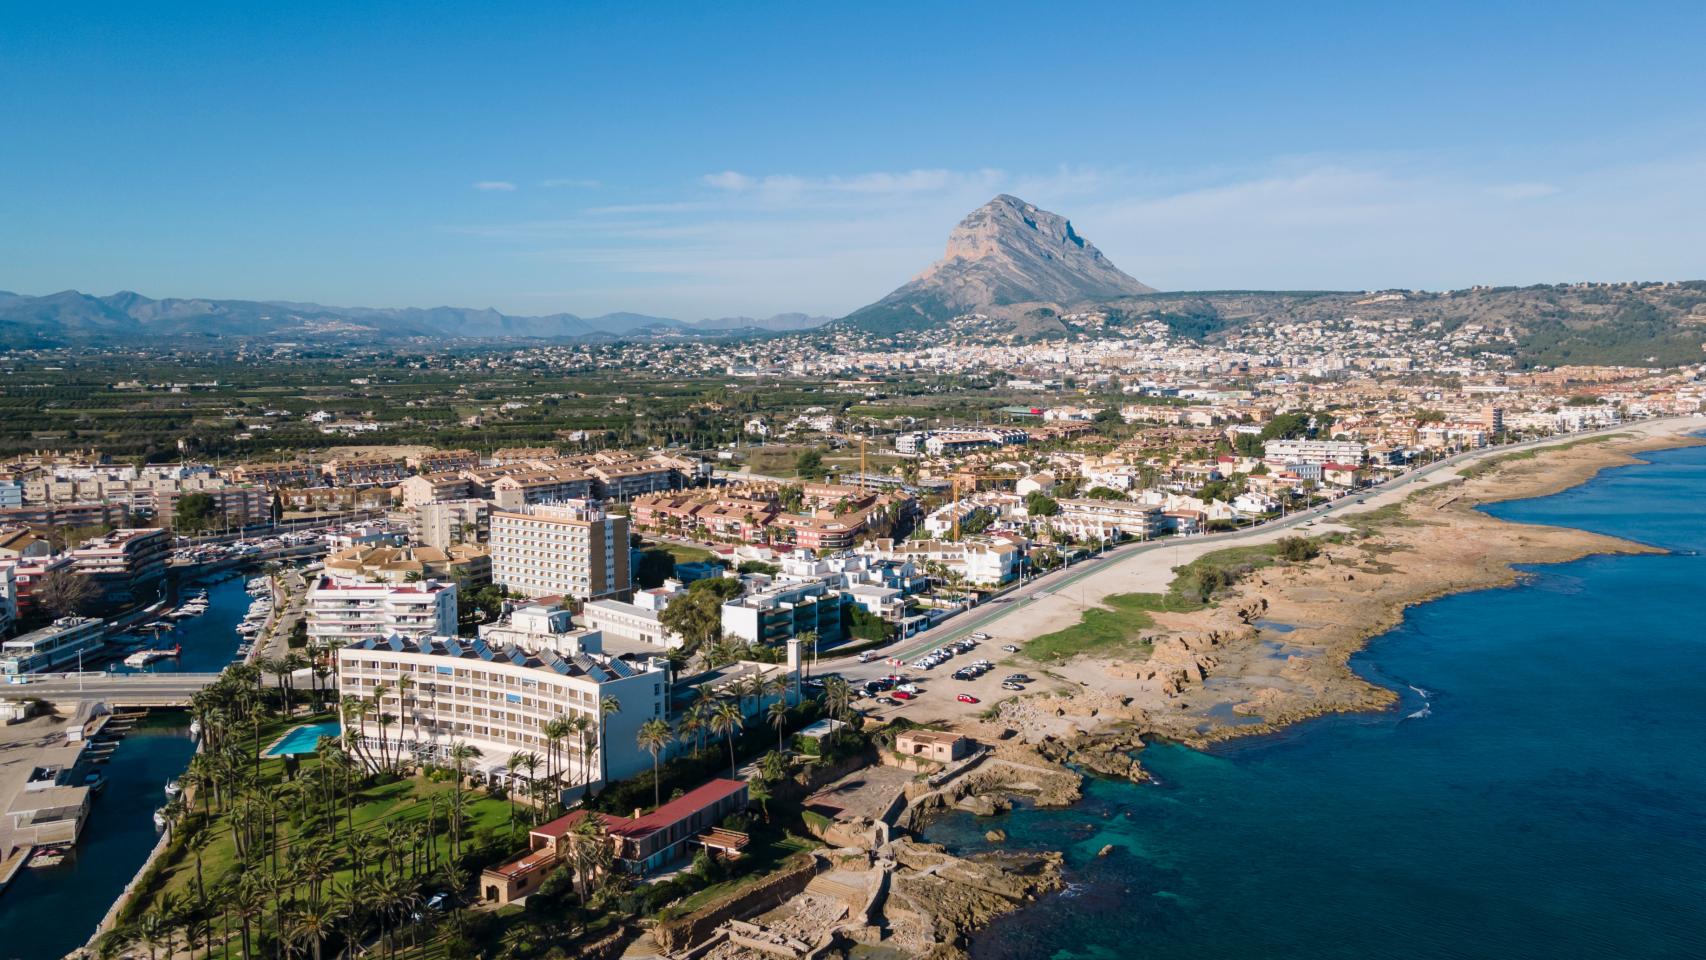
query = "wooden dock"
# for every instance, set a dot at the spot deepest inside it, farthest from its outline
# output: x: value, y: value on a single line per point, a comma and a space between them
x: 10, y: 866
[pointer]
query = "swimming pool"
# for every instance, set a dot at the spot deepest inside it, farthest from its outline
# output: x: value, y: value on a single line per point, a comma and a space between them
x: 303, y: 739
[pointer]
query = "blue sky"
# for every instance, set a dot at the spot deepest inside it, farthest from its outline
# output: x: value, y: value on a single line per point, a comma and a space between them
x: 699, y: 160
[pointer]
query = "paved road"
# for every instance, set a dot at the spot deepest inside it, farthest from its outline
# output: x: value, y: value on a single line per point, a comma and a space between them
x: 132, y: 689
x: 993, y: 610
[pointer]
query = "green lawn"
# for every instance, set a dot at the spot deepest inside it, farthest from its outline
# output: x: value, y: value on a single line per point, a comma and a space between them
x: 404, y: 801
x: 1114, y: 631
x: 686, y: 554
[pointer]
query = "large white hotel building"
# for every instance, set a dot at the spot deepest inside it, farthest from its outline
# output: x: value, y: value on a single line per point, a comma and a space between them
x: 571, y: 549
x: 498, y: 692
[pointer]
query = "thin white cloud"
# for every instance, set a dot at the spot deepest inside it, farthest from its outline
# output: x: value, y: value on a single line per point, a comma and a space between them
x: 489, y: 186
x: 1522, y: 191
x: 736, y: 242
x: 575, y: 182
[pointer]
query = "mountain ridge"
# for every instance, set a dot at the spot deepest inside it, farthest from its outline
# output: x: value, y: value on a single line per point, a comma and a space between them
x: 68, y: 317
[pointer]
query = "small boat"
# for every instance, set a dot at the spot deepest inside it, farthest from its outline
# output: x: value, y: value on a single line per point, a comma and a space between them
x: 160, y: 819
x: 143, y: 658
x: 173, y: 789
x: 195, y: 729
x: 50, y: 856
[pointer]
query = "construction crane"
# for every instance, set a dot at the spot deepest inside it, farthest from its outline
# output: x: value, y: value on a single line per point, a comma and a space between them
x: 968, y: 477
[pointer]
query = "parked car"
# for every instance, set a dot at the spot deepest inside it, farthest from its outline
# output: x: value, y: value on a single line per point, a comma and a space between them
x: 903, y: 695
x: 1010, y: 685
x: 907, y: 688
x: 888, y: 701
x: 966, y: 698
x: 1010, y: 648
x: 867, y: 657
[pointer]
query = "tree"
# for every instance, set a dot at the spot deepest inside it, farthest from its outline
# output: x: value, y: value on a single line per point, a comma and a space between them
x: 65, y: 594
x: 778, y: 714
x: 726, y: 720
x: 1040, y: 504
x: 194, y: 512
x: 1298, y: 549
x: 607, y: 707
x: 809, y: 465
x: 654, y: 736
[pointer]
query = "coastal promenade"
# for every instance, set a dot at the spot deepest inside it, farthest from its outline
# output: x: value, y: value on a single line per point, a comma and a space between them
x: 1148, y: 565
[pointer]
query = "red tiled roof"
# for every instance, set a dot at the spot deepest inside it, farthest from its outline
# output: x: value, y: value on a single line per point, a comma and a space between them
x: 676, y: 810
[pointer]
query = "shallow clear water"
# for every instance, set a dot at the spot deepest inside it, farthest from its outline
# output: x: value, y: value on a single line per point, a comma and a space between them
x: 1538, y: 793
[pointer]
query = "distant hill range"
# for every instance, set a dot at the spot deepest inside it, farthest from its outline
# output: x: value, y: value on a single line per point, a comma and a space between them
x: 1011, y: 271
x: 70, y: 317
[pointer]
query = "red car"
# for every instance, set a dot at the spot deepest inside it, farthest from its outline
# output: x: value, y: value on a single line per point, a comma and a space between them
x: 966, y: 698
x: 901, y: 695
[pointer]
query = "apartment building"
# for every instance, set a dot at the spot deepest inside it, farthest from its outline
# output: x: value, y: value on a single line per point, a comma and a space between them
x: 234, y: 505
x: 980, y: 562
x: 1315, y: 451
x: 8, y: 600
x: 443, y: 461
x: 516, y: 490
x: 639, y: 621
x: 58, y: 646
x: 780, y: 613
x: 1108, y: 519
x: 630, y: 478
x: 443, y: 523
x: 365, y: 471
x: 87, y: 514
x: 127, y: 566
x: 275, y: 475
x: 342, y: 612
x: 11, y: 494
x: 573, y: 549
x: 464, y: 563
x: 427, y: 487
x: 498, y: 698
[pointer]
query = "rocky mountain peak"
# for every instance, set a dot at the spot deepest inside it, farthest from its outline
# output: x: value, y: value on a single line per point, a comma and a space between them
x: 1004, y: 252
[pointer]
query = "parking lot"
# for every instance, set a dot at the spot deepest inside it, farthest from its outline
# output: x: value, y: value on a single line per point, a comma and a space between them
x: 937, y: 688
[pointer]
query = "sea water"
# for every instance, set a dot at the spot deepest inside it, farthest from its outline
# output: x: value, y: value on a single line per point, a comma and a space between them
x: 1539, y: 792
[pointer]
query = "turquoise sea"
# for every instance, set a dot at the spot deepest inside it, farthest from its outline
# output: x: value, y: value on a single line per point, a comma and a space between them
x: 1539, y: 793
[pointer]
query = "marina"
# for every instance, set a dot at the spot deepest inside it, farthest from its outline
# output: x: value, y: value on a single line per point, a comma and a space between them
x: 102, y: 775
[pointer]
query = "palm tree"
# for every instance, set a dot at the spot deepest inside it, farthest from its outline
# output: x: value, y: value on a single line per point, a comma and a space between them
x: 808, y: 640
x: 692, y: 727
x: 726, y: 719
x: 837, y: 697
x: 530, y: 761
x: 607, y: 707
x: 578, y: 725
x: 778, y: 714
x: 556, y: 730
x: 460, y: 754
x: 513, y: 764
x: 653, y: 737
x: 249, y: 903
x: 313, y: 923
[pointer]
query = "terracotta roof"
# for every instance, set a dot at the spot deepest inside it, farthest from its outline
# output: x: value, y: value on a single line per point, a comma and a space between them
x: 670, y: 813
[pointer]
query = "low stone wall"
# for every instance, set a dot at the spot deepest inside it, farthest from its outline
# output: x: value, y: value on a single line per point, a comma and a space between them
x: 766, y: 894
